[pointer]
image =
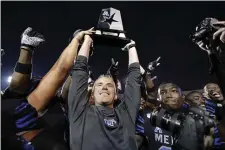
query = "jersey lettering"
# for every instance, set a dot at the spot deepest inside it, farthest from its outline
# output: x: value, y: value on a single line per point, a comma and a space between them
x: 162, y: 138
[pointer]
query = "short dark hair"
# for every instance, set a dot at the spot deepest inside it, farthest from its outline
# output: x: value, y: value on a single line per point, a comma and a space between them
x: 166, y: 83
x: 192, y: 92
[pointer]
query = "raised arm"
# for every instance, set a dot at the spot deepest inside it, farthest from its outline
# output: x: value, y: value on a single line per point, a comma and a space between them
x: 49, y: 85
x: 132, y: 93
x: 65, y: 89
x: 30, y: 40
x: 216, y: 51
x: 78, y: 91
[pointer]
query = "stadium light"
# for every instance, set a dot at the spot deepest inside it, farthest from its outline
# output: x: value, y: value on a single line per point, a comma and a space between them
x: 9, y: 79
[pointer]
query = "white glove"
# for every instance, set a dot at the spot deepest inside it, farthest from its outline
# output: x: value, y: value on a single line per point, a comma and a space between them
x: 31, y: 39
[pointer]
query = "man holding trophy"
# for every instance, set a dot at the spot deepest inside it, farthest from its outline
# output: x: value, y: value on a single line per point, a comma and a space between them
x: 102, y: 126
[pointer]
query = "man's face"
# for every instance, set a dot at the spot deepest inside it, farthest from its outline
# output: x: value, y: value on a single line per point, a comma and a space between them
x: 104, y: 91
x: 213, y: 92
x: 195, y: 99
x: 169, y: 94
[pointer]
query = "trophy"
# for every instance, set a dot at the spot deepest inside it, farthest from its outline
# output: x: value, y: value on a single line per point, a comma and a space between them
x: 109, y: 30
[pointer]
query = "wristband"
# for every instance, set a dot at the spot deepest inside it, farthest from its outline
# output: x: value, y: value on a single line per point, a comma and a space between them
x: 23, y: 68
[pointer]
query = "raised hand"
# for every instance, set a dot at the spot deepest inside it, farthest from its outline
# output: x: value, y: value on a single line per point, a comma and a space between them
x: 113, y: 69
x: 128, y: 46
x: 80, y: 34
x: 220, y: 32
x: 114, y: 66
x: 31, y: 39
x: 152, y: 65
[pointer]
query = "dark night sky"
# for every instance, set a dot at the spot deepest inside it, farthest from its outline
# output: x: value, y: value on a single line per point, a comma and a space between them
x: 159, y: 29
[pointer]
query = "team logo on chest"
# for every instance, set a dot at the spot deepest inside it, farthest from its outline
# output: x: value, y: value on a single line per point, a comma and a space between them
x: 110, y: 122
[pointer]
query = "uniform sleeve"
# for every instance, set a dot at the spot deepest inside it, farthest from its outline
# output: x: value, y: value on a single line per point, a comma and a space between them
x: 132, y: 92
x: 78, y: 94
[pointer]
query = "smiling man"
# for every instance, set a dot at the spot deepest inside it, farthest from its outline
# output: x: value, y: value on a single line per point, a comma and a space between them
x: 158, y: 138
x: 195, y: 98
x: 213, y: 91
x: 104, y: 91
x: 215, y: 105
x: 102, y: 126
x: 170, y: 94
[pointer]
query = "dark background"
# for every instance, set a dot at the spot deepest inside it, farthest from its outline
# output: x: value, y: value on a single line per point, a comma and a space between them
x: 159, y: 29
